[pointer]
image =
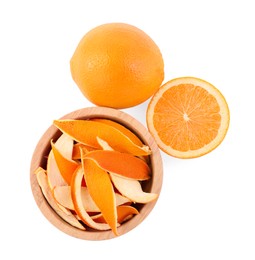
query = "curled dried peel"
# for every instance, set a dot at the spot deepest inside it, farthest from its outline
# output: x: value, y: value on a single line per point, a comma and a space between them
x: 132, y: 189
x: 66, y: 166
x: 87, y: 131
x: 101, y: 191
x: 122, y: 129
x: 43, y: 183
x: 122, y: 164
x: 65, y: 145
x: 78, y: 204
x: 76, y: 150
x: 134, y: 138
x: 62, y: 194
x: 124, y: 212
x: 103, y: 144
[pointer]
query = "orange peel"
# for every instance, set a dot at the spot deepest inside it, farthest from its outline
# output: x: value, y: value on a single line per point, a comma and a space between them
x: 125, y: 165
x: 65, y: 145
x: 62, y: 195
x: 101, y: 191
x: 78, y: 203
x: 76, y: 150
x: 43, y: 183
x: 122, y: 129
x: 132, y: 189
x: 124, y: 213
x: 87, y: 131
x: 66, y: 167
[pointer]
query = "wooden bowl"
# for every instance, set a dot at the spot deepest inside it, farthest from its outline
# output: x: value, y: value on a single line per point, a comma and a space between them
x: 152, y: 185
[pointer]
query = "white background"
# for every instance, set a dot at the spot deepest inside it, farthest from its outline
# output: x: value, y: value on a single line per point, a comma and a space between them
x: 207, y: 205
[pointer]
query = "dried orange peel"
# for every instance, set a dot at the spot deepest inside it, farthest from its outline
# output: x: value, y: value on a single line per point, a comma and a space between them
x: 124, y: 212
x: 101, y: 191
x: 121, y: 164
x: 65, y: 145
x: 62, y: 195
x: 132, y: 189
x: 66, y: 167
x: 77, y: 152
x: 43, y: 183
x: 96, y: 167
x: 116, y: 139
x: 78, y: 204
x: 134, y: 138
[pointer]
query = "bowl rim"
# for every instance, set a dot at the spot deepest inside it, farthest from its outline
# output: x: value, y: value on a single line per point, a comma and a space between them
x: 124, y: 119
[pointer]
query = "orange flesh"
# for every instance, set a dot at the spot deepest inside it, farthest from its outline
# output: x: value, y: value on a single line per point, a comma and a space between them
x: 187, y: 111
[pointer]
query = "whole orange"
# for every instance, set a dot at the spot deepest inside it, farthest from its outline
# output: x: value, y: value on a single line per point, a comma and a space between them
x: 117, y: 65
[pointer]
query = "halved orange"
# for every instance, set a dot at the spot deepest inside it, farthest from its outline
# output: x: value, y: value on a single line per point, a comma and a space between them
x: 188, y: 117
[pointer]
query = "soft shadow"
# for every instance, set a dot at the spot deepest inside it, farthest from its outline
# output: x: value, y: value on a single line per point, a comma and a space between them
x: 138, y: 112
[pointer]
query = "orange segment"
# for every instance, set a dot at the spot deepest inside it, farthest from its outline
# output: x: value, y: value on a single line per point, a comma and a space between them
x: 78, y: 204
x: 188, y: 117
x: 66, y: 167
x: 101, y: 190
x: 87, y: 131
x: 122, y: 164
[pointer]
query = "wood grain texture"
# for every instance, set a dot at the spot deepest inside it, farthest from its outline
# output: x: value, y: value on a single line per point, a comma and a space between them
x: 152, y: 185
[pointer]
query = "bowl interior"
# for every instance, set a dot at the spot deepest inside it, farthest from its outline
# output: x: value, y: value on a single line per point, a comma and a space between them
x: 152, y: 185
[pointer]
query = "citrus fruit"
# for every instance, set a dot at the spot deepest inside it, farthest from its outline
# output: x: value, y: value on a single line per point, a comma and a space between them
x: 117, y: 65
x: 188, y: 117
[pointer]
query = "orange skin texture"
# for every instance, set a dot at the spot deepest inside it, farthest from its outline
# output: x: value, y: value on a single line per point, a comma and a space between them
x: 123, y: 164
x: 117, y: 65
x: 122, y: 129
x: 86, y: 132
x: 66, y: 167
x: 77, y: 152
x: 78, y: 204
x: 124, y: 212
x: 101, y: 191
